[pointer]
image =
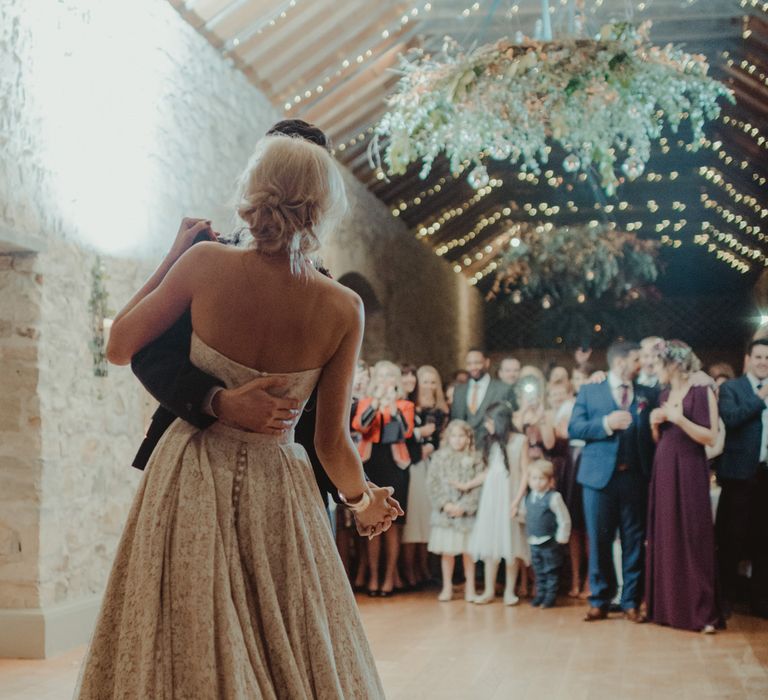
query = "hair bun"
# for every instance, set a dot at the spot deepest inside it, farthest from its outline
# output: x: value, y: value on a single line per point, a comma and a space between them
x: 289, y: 194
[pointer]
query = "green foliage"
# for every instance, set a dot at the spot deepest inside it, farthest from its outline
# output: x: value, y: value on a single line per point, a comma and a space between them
x: 97, y: 305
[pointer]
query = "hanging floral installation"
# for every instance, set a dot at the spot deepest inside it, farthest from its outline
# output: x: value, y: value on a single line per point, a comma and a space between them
x: 573, y: 264
x: 604, y: 101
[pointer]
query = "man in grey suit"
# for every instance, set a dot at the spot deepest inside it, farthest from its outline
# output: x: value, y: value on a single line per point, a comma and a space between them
x: 471, y: 400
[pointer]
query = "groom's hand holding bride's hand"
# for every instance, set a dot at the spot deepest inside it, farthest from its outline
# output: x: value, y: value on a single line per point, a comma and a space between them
x: 253, y: 407
x: 379, y: 516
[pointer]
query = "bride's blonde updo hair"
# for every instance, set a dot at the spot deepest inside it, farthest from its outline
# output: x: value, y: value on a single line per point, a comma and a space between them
x: 290, y: 196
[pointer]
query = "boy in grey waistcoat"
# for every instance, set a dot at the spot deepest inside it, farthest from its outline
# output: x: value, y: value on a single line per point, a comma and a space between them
x: 548, y: 524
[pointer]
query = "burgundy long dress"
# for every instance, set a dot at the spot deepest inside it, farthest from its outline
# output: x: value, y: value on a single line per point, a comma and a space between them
x: 681, y: 586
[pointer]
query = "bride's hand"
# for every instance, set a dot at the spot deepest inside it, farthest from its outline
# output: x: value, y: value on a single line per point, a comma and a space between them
x: 379, y: 516
x: 189, y: 230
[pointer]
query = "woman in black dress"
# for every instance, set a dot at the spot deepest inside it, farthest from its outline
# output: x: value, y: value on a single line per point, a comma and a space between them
x: 385, y: 421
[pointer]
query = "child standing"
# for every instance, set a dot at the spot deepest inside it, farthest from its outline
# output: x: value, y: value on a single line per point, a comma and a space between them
x: 453, y: 511
x: 499, y: 534
x: 549, y: 526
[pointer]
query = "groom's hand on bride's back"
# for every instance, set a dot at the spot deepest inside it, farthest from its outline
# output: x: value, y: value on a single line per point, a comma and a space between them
x: 254, y: 406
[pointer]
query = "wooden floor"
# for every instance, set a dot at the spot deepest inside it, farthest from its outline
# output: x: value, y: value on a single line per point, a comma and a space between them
x: 427, y: 649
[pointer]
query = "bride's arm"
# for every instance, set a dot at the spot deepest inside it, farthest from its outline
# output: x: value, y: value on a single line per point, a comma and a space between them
x: 185, y: 239
x: 333, y: 443
x: 158, y: 304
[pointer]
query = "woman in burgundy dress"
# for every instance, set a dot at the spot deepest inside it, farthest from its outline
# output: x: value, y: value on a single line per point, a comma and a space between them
x: 681, y: 590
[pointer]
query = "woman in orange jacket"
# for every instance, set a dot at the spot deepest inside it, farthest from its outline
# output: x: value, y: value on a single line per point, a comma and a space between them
x: 384, y: 420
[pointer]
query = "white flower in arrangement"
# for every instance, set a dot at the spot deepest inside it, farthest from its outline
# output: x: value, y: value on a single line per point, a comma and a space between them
x: 604, y: 101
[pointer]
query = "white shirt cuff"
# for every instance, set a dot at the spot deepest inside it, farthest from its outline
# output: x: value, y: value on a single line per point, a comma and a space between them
x: 208, y: 402
x: 606, y: 427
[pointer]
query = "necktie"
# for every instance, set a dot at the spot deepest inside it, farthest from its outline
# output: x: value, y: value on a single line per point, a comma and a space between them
x: 624, y: 397
x: 473, y: 398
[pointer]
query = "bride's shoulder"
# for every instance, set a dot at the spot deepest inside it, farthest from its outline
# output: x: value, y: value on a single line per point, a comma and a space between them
x: 342, y: 298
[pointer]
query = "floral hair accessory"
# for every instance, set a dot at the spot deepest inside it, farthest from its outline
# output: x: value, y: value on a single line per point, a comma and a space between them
x: 679, y: 353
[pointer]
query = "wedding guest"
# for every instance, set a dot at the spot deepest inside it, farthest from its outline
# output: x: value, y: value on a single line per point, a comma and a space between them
x: 431, y: 414
x: 532, y: 419
x: 450, y: 388
x: 532, y: 371
x: 680, y: 588
x: 453, y: 510
x: 742, y: 472
x: 410, y: 382
x: 557, y: 373
x: 471, y: 400
x: 647, y: 376
x: 385, y: 421
x: 581, y: 355
x: 497, y: 533
x: 721, y: 372
x: 566, y: 456
x: 509, y: 371
x: 612, y: 419
x: 580, y: 375
x: 559, y: 393
x: 460, y: 376
x: 548, y: 526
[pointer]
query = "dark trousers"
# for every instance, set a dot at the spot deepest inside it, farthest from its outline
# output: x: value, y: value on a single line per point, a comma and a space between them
x: 621, y: 506
x: 547, y: 560
x: 741, y: 529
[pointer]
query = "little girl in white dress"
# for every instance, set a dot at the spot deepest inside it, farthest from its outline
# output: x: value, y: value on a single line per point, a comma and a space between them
x: 497, y: 535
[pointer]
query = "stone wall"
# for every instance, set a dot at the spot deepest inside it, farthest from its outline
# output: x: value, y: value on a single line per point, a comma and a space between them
x: 95, y: 160
x: 21, y: 492
x: 430, y: 315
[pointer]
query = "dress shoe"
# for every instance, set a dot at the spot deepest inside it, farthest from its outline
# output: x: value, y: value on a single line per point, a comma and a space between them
x: 594, y: 614
x: 634, y: 615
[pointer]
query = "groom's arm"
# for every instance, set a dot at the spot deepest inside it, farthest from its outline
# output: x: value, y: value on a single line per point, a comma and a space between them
x: 167, y: 373
x: 582, y: 426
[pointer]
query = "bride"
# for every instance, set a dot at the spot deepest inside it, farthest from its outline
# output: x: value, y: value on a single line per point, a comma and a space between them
x: 226, y: 582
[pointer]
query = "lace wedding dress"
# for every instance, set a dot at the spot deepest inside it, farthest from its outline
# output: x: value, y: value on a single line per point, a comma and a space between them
x: 227, y: 582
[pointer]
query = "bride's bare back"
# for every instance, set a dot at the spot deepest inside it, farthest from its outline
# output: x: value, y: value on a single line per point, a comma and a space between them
x: 253, y: 309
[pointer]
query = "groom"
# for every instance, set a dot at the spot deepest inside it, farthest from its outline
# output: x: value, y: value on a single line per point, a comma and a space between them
x: 188, y: 393
x: 612, y: 418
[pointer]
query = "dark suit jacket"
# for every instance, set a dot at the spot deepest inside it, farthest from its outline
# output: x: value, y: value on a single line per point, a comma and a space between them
x: 598, y: 459
x: 742, y: 412
x: 497, y: 391
x: 167, y: 373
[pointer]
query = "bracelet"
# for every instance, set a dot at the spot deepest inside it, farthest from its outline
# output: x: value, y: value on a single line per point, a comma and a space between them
x: 360, y: 504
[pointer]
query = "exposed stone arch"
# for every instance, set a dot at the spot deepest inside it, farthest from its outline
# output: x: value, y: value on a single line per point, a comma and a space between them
x: 374, y: 340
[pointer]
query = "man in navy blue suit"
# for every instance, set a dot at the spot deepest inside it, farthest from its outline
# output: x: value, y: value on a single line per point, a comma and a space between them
x: 742, y: 472
x: 612, y: 419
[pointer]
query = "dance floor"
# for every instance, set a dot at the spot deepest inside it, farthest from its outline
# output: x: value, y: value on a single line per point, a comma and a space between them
x: 427, y: 649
